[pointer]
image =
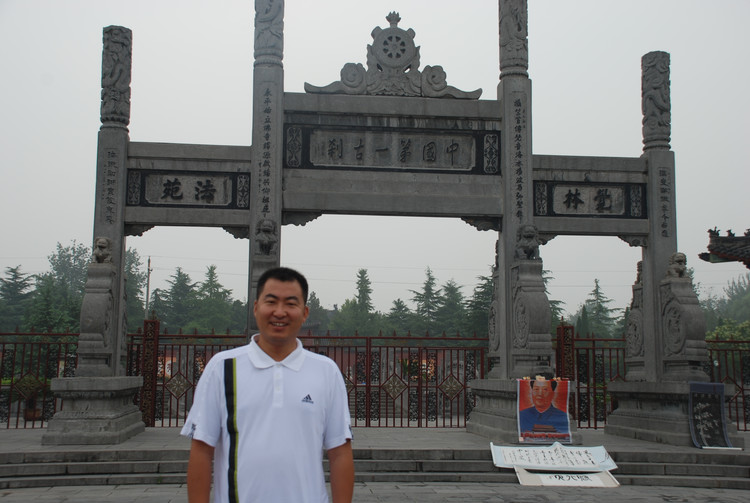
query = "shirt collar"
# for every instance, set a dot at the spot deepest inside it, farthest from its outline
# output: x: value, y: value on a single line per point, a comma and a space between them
x: 261, y: 360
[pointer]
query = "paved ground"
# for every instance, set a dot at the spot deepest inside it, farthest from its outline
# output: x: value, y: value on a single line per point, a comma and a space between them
x: 370, y: 492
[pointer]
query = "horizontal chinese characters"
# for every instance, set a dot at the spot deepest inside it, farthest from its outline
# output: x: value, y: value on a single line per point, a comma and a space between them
x: 393, y: 150
x: 589, y: 200
x: 188, y: 189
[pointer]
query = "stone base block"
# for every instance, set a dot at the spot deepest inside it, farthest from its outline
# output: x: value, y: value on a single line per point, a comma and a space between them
x: 495, y: 416
x: 96, y: 411
x: 655, y: 412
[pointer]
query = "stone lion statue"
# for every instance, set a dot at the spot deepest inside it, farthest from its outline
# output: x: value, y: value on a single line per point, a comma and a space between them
x: 527, y: 243
x: 677, y: 265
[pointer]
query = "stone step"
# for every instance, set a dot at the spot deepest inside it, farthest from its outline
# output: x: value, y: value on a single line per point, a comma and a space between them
x: 681, y: 481
x: 95, y: 468
x: 684, y: 469
x: 53, y: 468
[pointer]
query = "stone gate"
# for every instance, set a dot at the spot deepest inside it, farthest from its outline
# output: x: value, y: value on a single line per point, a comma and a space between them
x: 389, y: 137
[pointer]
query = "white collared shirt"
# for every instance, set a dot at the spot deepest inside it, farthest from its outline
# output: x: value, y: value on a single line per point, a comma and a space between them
x: 287, y: 414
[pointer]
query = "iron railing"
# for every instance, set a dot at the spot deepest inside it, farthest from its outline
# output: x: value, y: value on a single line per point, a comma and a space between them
x: 729, y: 363
x: 392, y: 381
x: 28, y: 362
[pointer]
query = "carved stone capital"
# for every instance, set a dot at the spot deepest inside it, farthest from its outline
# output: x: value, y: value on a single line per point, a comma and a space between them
x: 635, y: 240
x: 137, y: 229
x: 485, y: 223
x: 299, y: 217
x: 238, y: 232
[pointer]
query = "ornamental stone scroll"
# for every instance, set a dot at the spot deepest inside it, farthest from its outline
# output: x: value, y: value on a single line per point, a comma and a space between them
x: 393, y: 70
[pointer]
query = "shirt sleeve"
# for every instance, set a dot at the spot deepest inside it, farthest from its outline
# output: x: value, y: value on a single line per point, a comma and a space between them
x: 205, y: 417
x: 338, y: 427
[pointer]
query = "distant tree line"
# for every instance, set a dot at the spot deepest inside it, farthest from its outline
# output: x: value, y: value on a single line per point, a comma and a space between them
x: 51, y: 302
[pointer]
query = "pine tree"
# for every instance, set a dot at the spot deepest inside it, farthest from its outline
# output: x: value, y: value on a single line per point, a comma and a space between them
x: 450, y: 316
x: 14, y: 298
x: 48, y: 310
x: 602, y: 318
x: 317, y: 320
x: 213, y: 305
x: 135, y: 278
x: 399, y: 319
x: 364, y: 290
x: 478, y: 307
x: 179, y: 301
x: 427, y: 301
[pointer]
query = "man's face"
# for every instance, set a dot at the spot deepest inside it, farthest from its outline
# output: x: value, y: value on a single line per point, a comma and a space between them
x: 542, y: 395
x: 280, y: 312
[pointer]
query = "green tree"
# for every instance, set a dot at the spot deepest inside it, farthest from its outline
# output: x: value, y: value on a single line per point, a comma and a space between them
x: 355, y: 315
x: 14, y: 298
x: 583, y: 324
x: 179, y: 301
x: 450, y: 315
x: 239, y: 317
x: 69, y: 266
x: 602, y: 318
x: 364, y: 290
x: 399, y: 319
x: 556, y: 306
x: 736, y: 302
x: 317, y: 320
x: 212, y: 305
x: 731, y: 330
x: 48, y: 310
x: 349, y: 319
x: 159, y: 305
x: 727, y: 315
x: 478, y: 307
x: 135, y: 278
x: 427, y: 302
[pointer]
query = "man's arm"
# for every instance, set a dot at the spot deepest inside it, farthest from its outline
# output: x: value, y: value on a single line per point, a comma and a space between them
x: 341, y: 463
x: 199, y: 472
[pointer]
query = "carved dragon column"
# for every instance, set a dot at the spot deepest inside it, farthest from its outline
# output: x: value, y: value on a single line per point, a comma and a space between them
x: 99, y: 399
x: 268, y: 122
x: 519, y: 331
x: 665, y: 335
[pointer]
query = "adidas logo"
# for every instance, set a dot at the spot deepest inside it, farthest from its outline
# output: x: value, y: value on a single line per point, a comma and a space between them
x: 307, y: 399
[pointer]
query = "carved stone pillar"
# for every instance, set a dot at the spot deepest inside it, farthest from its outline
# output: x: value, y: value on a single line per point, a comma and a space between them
x: 520, y: 341
x: 268, y: 143
x: 98, y: 406
x: 658, y: 410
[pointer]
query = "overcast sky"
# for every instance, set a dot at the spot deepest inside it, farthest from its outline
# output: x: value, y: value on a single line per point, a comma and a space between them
x: 191, y: 83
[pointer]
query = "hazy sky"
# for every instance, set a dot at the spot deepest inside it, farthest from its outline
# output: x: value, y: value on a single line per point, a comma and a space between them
x: 191, y: 83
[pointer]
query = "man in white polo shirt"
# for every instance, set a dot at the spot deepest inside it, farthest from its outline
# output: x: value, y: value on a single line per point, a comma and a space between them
x: 264, y: 413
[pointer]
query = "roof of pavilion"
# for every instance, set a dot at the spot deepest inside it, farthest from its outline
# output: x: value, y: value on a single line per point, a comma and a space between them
x: 728, y: 248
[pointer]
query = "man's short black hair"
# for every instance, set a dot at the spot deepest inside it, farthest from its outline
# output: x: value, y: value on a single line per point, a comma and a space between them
x: 553, y: 384
x: 284, y: 274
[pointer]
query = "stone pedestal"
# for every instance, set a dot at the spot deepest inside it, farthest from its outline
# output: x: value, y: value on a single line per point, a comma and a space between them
x: 495, y: 415
x: 655, y: 412
x: 96, y: 411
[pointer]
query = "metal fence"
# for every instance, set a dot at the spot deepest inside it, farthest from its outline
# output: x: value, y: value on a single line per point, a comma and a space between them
x: 28, y: 362
x: 391, y: 381
x: 729, y: 363
x: 591, y: 363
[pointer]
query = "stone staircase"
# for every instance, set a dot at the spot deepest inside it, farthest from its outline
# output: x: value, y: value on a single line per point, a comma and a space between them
x: 691, y: 468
